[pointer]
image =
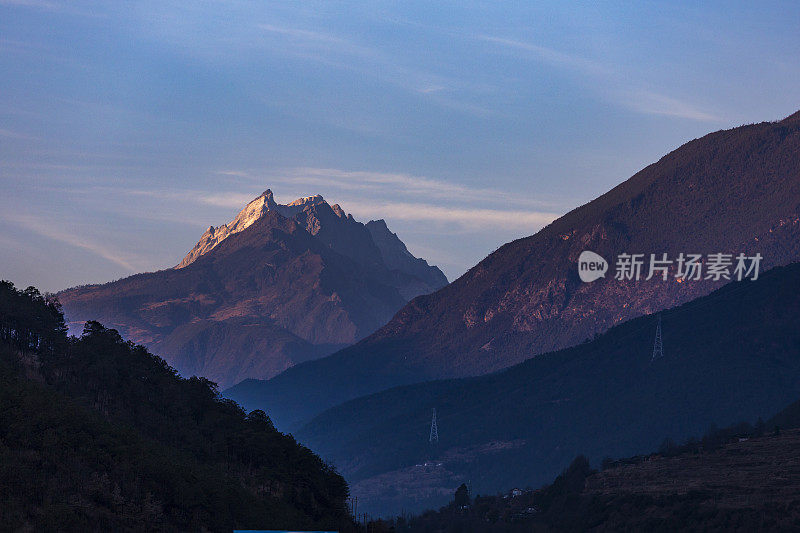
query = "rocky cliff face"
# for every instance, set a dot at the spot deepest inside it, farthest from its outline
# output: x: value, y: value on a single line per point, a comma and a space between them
x: 278, y: 285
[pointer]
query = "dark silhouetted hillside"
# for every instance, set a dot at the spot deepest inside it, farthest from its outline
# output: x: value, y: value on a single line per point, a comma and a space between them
x: 97, y: 434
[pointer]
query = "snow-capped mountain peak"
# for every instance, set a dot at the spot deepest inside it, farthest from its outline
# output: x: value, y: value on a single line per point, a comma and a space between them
x: 251, y: 213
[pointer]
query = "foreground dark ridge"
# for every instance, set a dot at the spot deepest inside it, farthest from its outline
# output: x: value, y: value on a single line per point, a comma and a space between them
x: 97, y: 434
x: 731, y: 191
x: 732, y: 355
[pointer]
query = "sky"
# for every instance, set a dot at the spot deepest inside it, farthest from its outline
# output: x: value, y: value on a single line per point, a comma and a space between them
x: 128, y: 128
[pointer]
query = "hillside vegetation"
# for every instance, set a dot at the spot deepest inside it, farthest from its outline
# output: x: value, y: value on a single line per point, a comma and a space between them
x: 97, y: 434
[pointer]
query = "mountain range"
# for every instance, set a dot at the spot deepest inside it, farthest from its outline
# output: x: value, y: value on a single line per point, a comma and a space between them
x: 732, y: 191
x: 730, y: 356
x: 278, y: 285
x: 526, y: 364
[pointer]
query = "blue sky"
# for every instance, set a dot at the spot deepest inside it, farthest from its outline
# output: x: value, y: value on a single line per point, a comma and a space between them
x: 127, y: 128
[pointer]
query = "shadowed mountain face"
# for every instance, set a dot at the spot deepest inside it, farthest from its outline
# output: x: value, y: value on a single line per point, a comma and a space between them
x: 728, y: 192
x: 731, y: 356
x: 279, y: 285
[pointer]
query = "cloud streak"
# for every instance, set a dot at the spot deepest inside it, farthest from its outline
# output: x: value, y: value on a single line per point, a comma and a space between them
x: 473, y: 218
x: 339, y: 52
x: 365, y: 209
x: 53, y: 231
x: 365, y: 194
x: 640, y: 100
x: 548, y: 55
x: 382, y: 184
x: 469, y: 219
x: 653, y: 103
x: 399, y: 196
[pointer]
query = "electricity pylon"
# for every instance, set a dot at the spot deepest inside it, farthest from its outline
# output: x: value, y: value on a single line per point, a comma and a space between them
x: 434, y: 437
x: 658, y: 347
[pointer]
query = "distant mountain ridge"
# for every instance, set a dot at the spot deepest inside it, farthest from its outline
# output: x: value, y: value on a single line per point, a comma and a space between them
x: 730, y: 356
x: 731, y: 191
x: 278, y: 285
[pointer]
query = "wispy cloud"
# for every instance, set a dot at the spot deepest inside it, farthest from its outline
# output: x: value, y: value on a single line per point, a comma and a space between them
x: 367, y: 195
x: 653, y: 103
x: 549, y: 55
x: 400, y: 197
x: 414, y: 206
x: 236, y: 173
x: 343, y: 53
x: 228, y: 199
x: 465, y: 217
x: 473, y: 218
x: 309, y: 35
x: 54, y: 231
x: 612, y: 83
x: 377, y: 185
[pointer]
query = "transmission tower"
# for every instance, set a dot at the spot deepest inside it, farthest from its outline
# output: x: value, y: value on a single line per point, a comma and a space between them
x: 434, y: 438
x: 658, y: 347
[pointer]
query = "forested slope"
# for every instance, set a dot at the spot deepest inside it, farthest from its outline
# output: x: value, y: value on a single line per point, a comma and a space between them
x: 98, y: 434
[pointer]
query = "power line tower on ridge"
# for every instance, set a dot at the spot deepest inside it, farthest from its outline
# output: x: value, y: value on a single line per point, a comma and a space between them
x: 434, y: 437
x: 658, y: 347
